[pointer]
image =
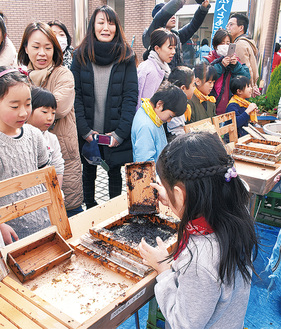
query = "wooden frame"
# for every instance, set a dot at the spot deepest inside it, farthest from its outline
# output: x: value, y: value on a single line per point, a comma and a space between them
x: 52, y: 198
x: 197, y: 125
x: 230, y: 128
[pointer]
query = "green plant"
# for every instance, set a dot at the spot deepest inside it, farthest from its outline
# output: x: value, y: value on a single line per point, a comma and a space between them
x: 263, y: 104
x: 274, y: 89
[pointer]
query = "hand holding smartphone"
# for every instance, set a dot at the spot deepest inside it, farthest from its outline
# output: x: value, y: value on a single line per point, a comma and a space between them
x: 103, y: 139
x: 231, y: 49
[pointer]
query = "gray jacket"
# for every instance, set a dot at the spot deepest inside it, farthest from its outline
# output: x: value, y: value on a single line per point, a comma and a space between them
x: 193, y: 297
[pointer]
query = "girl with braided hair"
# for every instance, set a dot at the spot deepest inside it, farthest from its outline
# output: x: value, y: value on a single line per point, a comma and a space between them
x: 205, y: 281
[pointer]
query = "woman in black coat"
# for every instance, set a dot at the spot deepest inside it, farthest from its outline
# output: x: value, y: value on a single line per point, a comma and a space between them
x: 106, y: 89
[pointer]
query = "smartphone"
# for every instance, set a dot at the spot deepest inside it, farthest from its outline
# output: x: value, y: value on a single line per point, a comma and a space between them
x: 103, y: 139
x: 231, y: 49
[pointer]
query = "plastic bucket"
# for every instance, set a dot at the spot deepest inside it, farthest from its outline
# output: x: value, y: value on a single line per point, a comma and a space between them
x: 273, y: 128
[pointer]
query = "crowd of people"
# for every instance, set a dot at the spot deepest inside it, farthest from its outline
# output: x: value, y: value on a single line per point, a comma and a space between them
x: 54, y: 100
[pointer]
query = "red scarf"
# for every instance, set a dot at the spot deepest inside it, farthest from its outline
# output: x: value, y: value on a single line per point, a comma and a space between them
x: 198, y: 226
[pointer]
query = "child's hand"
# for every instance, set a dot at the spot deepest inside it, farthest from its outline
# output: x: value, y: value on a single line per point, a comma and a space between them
x: 152, y: 256
x: 163, y: 197
x: 7, y: 233
x: 252, y: 107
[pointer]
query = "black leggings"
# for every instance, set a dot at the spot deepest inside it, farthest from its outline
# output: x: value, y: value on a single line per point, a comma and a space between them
x: 89, y: 177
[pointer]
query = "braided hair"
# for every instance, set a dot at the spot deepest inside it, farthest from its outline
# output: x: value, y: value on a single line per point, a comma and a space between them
x: 199, y: 161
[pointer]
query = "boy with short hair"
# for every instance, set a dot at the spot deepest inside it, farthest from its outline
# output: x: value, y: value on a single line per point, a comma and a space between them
x: 182, y: 77
x: 148, y: 134
x: 244, y: 110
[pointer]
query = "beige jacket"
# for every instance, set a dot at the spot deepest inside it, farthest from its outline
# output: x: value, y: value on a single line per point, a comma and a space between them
x: 247, y: 52
x: 61, y: 84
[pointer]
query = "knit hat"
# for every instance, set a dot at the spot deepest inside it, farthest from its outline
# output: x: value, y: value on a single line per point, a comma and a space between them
x: 199, y: 1
x: 157, y: 8
x: 91, y: 153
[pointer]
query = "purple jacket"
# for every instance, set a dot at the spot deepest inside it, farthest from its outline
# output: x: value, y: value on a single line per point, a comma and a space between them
x: 150, y: 77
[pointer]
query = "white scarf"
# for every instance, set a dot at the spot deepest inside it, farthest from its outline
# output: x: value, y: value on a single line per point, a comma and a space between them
x: 163, y: 65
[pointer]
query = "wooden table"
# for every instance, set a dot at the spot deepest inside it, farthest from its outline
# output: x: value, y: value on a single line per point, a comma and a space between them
x: 22, y: 308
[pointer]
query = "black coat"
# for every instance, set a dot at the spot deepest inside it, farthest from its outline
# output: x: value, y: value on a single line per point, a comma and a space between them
x: 122, y: 97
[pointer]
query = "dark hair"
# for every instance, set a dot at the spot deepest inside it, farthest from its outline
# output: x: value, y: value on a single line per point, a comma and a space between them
x: 238, y: 82
x: 173, y: 97
x: 204, y: 42
x: 3, y: 30
x: 87, y: 44
x: 205, y: 72
x: 181, y: 76
x: 219, y: 36
x: 241, y: 20
x: 11, y: 79
x: 158, y: 38
x: 199, y: 161
x: 23, y: 57
x: 42, y: 97
x: 63, y: 27
x: 277, y: 47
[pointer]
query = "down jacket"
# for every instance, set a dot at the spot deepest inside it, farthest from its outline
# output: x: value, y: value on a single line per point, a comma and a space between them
x: 61, y: 84
x: 120, y: 106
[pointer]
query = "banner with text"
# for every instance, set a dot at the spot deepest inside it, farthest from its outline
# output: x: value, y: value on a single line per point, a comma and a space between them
x: 221, y: 14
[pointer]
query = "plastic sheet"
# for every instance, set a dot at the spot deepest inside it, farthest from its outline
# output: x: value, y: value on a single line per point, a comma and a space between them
x: 264, y: 308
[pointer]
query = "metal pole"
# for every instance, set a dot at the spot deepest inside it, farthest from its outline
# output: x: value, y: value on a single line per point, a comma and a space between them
x: 80, y: 20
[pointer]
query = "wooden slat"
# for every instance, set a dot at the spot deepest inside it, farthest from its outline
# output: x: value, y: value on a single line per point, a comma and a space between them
x: 57, y: 211
x: 28, y: 309
x: 16, y: 317
x: 21, y: 182
x: 6, y: 324
x: 61, y: 317
x: 25, y: 206
x: 230, y: 128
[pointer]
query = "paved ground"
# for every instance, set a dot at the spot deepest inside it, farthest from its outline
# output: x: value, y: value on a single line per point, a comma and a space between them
x: 102, y: 185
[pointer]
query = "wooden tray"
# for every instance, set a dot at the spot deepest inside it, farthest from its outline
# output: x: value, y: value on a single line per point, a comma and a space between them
x: 109, y: 234
x: 33, y: 259
x: 264, y: 146
x: 142, y: 198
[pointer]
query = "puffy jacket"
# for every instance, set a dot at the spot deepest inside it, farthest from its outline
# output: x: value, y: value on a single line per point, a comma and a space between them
x: 221, y: 88
x: 120, y: 105
x: 61, y: 84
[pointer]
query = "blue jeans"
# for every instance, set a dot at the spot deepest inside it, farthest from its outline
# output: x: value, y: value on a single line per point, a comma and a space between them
x: 74, y: 211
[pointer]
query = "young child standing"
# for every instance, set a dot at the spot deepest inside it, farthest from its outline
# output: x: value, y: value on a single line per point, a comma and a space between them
x: 44, y: 107
x: 202, y: 105
x: 182, y: 77
x: 207, y: 284
x: 148, y: 134
x: 244, y: 110
x: 22, y: 150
